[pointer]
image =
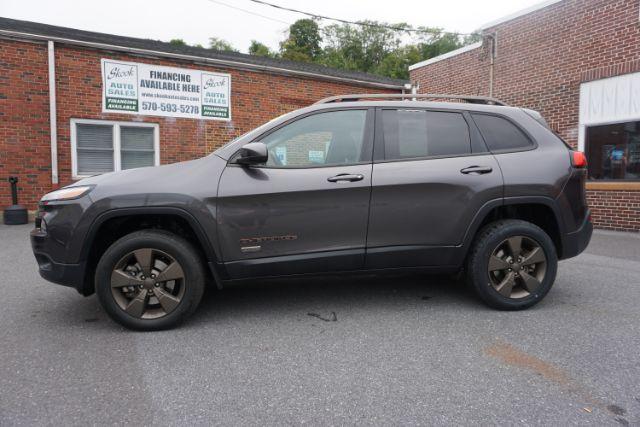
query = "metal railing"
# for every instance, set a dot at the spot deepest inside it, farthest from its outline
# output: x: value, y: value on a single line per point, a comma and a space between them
x: 413, y: 96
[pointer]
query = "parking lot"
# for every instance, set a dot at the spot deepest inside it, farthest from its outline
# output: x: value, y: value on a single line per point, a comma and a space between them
x: 399, y: 350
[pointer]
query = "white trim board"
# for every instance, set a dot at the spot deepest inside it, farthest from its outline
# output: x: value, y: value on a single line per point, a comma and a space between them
x: 519, y: 13
x: 446, y: 55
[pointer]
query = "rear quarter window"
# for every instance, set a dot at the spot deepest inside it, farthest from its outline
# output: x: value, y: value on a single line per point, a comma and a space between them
x: 500, y: 134
x: 422, y: 133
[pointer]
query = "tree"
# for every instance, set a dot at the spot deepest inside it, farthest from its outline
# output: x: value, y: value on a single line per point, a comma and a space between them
x: 180, y: 42
x: 303, y: 41
x: 382, y: 48
x: 221, y: 45
x: 260, y: 49
x: 377, y: 47
x: 396, y: 64
x: 438, y: 42
x: 361, y: 48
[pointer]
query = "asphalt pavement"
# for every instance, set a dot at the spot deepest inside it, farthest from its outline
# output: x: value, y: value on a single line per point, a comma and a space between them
x: 396, y: 350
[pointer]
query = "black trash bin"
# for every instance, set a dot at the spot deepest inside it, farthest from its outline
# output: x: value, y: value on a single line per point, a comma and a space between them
x: 15, y: 214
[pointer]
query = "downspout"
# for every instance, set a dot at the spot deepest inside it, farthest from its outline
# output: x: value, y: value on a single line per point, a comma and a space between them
x: 491, y: 77
x: 52, y: 113
x: 492, y: 56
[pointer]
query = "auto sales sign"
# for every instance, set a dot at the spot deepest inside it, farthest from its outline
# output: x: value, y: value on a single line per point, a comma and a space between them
x: 151, y: 90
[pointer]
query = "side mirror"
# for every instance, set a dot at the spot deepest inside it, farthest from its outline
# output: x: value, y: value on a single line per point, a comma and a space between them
x: 253, y: 154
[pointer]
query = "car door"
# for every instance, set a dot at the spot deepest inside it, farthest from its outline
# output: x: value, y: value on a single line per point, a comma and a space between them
x: 431, y: 175
x: 306, y: 209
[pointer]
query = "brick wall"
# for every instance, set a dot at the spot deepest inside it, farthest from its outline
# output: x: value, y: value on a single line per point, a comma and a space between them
x: 24, y: 110
x: 542, y: 58
x: 615, y: 210
x: 24, y: 121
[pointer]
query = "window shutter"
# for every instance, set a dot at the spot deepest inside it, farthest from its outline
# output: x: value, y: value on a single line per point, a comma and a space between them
x: 94, y: 149
x: 136, y: 147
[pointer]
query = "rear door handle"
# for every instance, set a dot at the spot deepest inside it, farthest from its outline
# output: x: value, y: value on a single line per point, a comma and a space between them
x: 477, y: 170
x: 346, y: 177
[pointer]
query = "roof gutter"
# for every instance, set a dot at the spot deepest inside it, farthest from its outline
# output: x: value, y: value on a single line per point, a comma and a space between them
x: 219, y: 62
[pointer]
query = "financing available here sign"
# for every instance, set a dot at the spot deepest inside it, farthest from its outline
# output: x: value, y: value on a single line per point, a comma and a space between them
x: 151, y: 90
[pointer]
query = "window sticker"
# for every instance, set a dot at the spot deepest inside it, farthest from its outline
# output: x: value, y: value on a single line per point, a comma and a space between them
x: 316, y: 156
x: 281, y: 154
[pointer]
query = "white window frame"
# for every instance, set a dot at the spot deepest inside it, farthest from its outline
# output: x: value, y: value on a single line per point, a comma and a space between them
x: 116, y: 142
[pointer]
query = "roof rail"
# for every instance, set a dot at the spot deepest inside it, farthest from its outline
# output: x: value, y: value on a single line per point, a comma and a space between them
x: 413, y: 96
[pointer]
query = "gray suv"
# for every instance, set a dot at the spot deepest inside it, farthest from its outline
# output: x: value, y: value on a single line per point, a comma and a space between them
x: 356, y: 183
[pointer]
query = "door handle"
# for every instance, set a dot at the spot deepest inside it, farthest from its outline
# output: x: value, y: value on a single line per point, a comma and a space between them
x: 477, y: 170
x: 346, y: 177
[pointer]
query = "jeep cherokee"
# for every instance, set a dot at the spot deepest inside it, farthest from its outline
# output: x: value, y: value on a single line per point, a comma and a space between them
x: 378, y: 183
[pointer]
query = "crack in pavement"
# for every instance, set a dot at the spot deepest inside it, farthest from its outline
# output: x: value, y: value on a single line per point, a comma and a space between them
x: 332, y: 318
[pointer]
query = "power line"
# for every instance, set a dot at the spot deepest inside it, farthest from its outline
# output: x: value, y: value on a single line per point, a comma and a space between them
x: 364, y: 24
x: 249, y: 12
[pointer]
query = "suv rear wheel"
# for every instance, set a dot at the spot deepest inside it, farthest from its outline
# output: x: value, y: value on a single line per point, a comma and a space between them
x: 150, y: 280
x: 512, y: 264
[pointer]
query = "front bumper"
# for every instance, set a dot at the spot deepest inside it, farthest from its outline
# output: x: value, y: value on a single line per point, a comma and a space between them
x: 63, y: 274
x: 576, y: 242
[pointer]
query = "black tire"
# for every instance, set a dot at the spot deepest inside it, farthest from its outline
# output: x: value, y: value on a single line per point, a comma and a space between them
x: 178, y: 248
x: 487, y: 241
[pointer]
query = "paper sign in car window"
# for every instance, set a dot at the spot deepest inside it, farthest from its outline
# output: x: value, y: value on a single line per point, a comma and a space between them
x: 316, y: 156
x: 281, y: 154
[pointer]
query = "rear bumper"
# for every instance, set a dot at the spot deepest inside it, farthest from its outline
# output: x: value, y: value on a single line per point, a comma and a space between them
x: 62, y: 274
x: 575, y: 243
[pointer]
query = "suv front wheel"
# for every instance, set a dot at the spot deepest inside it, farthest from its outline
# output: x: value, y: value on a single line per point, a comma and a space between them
x: 150, y: 280
x: 512, y: 264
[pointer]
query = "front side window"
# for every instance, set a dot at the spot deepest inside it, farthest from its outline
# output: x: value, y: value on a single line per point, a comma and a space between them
x: 331, y: 138
x: 101, y: 146
x: 500, y: 134
x: 613, y: 151
x: 421, y: 133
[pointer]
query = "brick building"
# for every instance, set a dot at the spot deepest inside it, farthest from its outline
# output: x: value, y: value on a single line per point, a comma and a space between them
x: 60, y: 121
x: 578, y: 63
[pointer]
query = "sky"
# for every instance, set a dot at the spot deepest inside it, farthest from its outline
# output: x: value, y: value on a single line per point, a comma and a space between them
x: 196, y: 20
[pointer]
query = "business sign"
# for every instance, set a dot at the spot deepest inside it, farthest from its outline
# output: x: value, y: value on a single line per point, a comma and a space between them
x: 151, y: 90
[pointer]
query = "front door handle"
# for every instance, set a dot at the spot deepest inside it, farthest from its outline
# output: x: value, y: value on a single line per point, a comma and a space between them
x: 477, y: 170
x: 346, y: 177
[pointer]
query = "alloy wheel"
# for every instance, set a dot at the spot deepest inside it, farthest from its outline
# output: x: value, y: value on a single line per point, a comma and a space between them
x: 147, y: 283
x: 517, y: 267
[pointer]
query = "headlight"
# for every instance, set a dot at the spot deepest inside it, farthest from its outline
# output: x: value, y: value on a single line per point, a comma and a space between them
x: 66, y: 193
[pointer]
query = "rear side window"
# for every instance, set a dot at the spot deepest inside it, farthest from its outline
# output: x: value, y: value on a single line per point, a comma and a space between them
x: 501, y: 134
x: 420, y: 133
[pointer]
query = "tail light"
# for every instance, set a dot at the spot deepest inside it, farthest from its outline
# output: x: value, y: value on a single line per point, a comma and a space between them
x: 578, y: 159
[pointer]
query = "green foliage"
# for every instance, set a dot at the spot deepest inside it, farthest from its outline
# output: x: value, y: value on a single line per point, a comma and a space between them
x: 438, y: 43
x: 385, y: 51
x: 302, y: 42
x: 396, y: 64
x: 368, y: 48
x: 260, y: 49
x: 361, y: 48
x: 221, y: 45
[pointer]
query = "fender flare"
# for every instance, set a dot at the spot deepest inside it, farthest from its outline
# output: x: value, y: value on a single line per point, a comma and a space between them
x: 482, y: 213
x: 209, y: 250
